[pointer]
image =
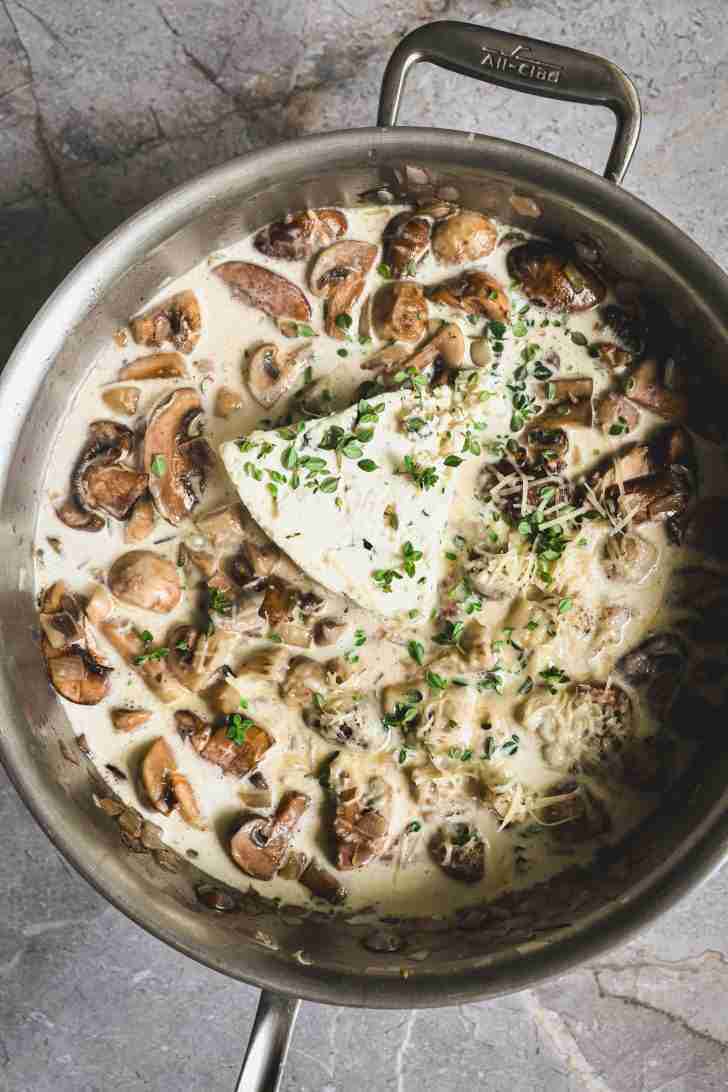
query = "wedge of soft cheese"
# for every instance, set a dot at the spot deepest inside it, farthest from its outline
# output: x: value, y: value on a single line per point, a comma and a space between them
x: 355, y: 497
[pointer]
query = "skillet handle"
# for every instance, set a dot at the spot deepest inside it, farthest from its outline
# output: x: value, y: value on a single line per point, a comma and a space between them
x: 523, y: 64
x: 268, y: 1044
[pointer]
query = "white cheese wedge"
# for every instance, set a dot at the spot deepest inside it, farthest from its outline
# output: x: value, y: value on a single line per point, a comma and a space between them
x: 354, y: 529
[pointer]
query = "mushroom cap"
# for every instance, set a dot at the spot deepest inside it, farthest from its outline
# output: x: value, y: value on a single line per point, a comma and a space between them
x: 260, y: 846
x: 167, y: 430
x: 128, y: 720
x: 448, y: 345
x: 459, y: 851
x: 140, y: 523
x: 399, y: 312
x: 76, y: 670
x: 143, y: 579
x: 342, y: 297
x: 298, y: 235
x: 177, y: 319
x: 262, y: 288
x: 122, y: 400
x: 646, y: 385
x: 552, y: 279
x: 156, y: 366
x: 362, y: 821
x: 464, y: 237
x: 111, y: 489
x: 615, y: 412
x: 271, y: 372
x: 406, y: 240
x: 338, y: 262
x: 99, y: 481
x: 475, y: 293
x: 157, y: 765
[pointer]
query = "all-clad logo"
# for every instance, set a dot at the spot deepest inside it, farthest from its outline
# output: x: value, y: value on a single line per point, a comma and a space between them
x: 520, y: 61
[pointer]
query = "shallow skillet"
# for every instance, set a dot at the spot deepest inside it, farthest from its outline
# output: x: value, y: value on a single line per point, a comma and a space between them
x: 292, y: 954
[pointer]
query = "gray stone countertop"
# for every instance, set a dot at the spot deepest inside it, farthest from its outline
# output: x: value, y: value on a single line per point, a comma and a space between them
x: 104, y: 105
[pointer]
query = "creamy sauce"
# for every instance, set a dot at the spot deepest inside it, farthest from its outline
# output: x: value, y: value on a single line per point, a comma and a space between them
x: 485, y: 744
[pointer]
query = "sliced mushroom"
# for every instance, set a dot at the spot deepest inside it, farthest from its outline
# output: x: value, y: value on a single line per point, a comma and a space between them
x: 223, y: 698
x: 193, y: 729
x: 300, y: 234
x: 565, y: 415
x: 612, y: 356
x: 445, y: 349
x: 570, y: 390
x: 267, y: 667
x: 227, y: 402
x: 128, y: 720
x: 100, y: 481
x: 140, y: 523
x: 386, y: 361
x: 322, y: 883
x: 465, y: 237
x: 194, y: 656
x: 328, y: 631
x: 348, y: 719
x: 629, y: 557
x: 238, y: 758
x: 224, y: 527
x: 122, y: 400
x: 552, y: 279
x: 406, y: 240
x: 177, y: 319
x: 304, y: 680
x: 339, y: 274
x: 171, y: 457
x: 261, y: 846
x: 399, y: 312
x: 572, y: 813
x: 648, y: 386
x: 259, y: 287
x: 475, y: 293
x: 77, y: 671
x: 290, y: 612
x: 156, y: 366
x: 658, y: 666
x: 459, y: 851
x: 363, y: 819
x: 272, y: 372
x: 166, y: 788
x: 236, y: 610
x: 143, y: 579
x: 707, y: 528
x: 149, y: 663
x: 616, y: 415
x: 661, y: 496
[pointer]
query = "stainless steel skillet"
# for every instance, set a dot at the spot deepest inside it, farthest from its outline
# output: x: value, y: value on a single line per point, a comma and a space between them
x: 291, y: 954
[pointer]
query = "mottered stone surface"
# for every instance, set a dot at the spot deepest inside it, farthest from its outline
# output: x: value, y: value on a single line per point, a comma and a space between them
x: 103, y: 107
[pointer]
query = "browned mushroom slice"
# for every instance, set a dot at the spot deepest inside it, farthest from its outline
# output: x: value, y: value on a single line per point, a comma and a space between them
x: 168, y: 460
x: 573, y: 813
x: 300, y: 234
x: 657, y: 666
x: 99, y: 481
x: 227, y: 402
x: 707, y: 528
x: 177, y: 319
x: 571, y: 413
x: 459, y: 851
x: 156, y: 366
x: 149, y: 662
x: 465, y: 237
x: 328, y: 631
x: 222, y: 698
x: 552, y: 279
x: 387, y: 361
x: 272, y: 372
x: 166, y: 788
x: 141, y: 521
x: 193, y: 729
x: 225, y: 527
x: 143, y: 579
x: 128, y: 720
x: 406, y: 240
x: 569, y: 390
x: 629, y: 557
x: 362, y: 821
x: 261, y: 846
x: 76, y: 670
x: 194, y: 656
x: 647, y: 386
x: 259, y: 287
x: 612, y: 356
x: 236, y: 610
x: 122, y: 400
x: 339, y: 274
x: 322, y: 884
x: 616, y: 415
x: 305, y: 678
x: 446, y: 349
x: 662, y: 496
x: 233, y: 757
x: 399, y: 312
x: 475, y: 293
x: 290, y: 612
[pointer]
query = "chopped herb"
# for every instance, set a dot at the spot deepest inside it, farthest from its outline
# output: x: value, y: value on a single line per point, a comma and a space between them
x: 237, y: 727
x: 158, y: 466
x: 384, y: 578
x: 152, y: 656
x: 368, y: 465
x: 384, y: 271
x: 416, y: 651
x: 565, y: 605
x: 342, y: 352
x: 411, y: 557
x: 511, y: 745
x: 526, y: 686
x: 304, y: 330
x: 146, y: 636
x: 391, y: 518
x: 492, y: 680
x: 219, y: 602
x: 360, y: 638
x: 519, y: 328
x: 404, y: 711
x: 619, y: 427
x: 343, y: 321
x: 451, y: 634
x: 578, y: 338
x: 276, y: 638
x: 435, y: 681
x: 424, y: 477
x: 453, y: 460
x: 553, y: 676
x: 329, y: 485
x: 413, y: 828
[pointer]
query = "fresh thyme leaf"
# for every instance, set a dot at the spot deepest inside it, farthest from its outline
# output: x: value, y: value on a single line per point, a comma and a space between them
x: 344, y: 321
x: 158, y: 466
x: 219, y: 602
x: 237, y: 727
x: 416, y: 651
x: 152, y: 656
x: 368, y: 465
